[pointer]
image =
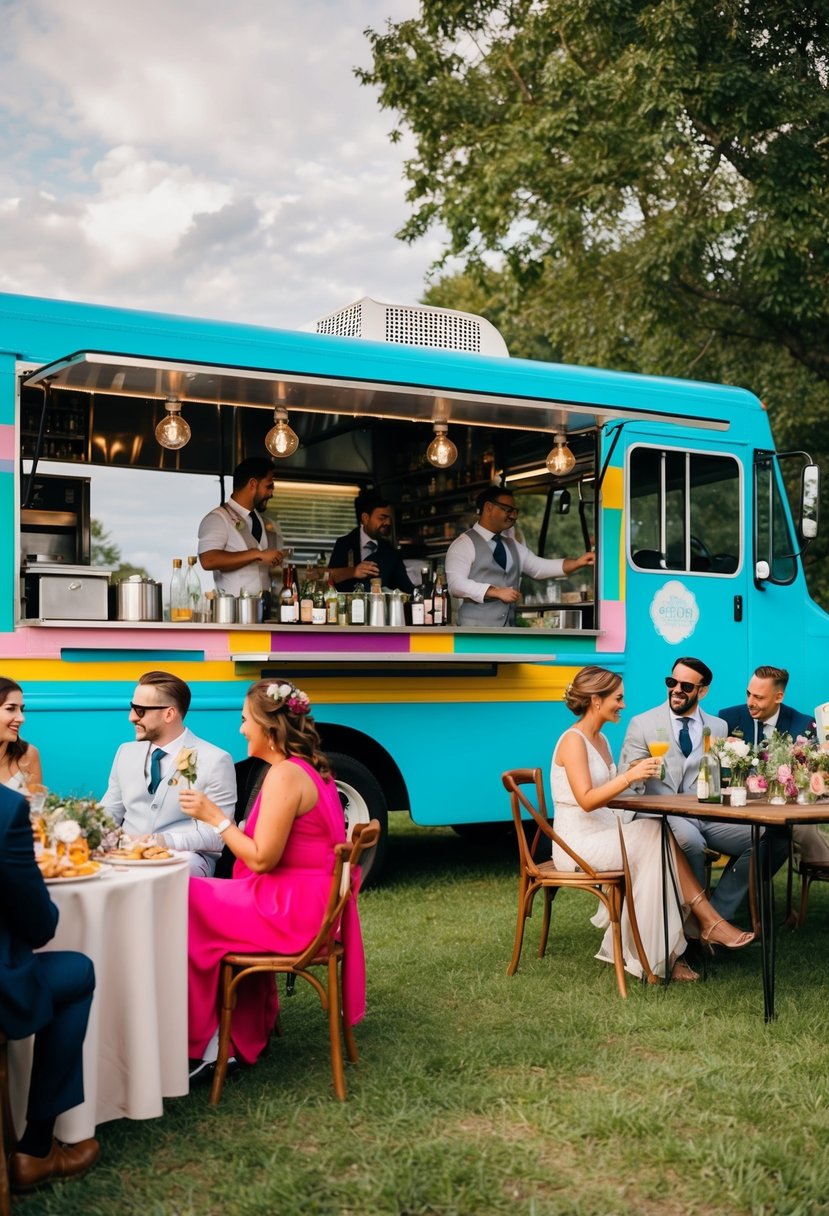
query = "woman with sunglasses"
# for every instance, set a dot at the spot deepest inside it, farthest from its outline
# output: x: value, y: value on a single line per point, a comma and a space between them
x: 584, y: 779
x: 20, y: 767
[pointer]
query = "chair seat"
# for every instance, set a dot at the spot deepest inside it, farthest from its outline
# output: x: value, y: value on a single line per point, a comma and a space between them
x: 576, y: 878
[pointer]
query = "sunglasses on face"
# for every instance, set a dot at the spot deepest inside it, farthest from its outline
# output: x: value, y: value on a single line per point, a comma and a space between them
x: 685, y: 685
x: 140, y: 710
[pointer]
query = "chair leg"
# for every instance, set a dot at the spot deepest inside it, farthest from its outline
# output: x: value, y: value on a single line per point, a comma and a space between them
x: 805, y: 883
x: 634, y: 924
x: 549, y: 896
x: 614, y: 907
x: 523, y: 887
x: 334, y: 1019
x: 228, y: 1001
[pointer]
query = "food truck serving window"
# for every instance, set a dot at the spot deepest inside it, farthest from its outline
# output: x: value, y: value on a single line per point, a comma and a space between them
x: 684, y: 511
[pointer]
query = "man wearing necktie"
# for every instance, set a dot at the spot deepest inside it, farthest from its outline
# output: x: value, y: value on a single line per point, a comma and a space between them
x: 764, y: 712
x: 238, y: 543
x: 367, y: 551
x: 484, y: 565
x: 144, y: 783
x: 683, y: 720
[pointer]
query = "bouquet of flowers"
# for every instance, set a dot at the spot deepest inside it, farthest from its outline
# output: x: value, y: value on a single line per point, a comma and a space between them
x: 791, y: 768
x: 90, y: 816
x: 737, y: 756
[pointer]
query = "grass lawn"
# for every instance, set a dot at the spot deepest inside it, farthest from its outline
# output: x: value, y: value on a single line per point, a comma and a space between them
x: 477, y: 1093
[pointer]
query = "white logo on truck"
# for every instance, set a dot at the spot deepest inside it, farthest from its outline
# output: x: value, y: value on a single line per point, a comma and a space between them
x: 674, y: 611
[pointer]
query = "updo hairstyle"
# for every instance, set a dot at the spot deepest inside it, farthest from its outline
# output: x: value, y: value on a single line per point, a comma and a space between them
x: 292, y: 733
x: 590, y: 682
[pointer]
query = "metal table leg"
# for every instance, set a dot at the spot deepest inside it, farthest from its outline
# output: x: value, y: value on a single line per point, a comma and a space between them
x: 765, y: 903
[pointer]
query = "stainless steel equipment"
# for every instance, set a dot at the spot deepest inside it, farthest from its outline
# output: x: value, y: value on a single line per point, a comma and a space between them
x: 224, y: 609
x: 250, y: 609
x: 58, y: 592
x: 138, y: 599
x: 54, y: 521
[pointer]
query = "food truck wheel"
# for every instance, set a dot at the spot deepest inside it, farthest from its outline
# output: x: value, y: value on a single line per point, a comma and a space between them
x: 362, y: 800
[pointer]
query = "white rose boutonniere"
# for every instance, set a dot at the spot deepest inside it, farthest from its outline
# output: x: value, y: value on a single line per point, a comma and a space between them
x: 185, y: 766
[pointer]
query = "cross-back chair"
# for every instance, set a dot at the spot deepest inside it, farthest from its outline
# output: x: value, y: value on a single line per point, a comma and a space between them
x: 325, y: 951
x: 536, y: 875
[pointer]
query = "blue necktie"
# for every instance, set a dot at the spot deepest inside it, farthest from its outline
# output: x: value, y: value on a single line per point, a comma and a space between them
x: 685, y: 744
x: 155, y: 769
x: 499, y: 553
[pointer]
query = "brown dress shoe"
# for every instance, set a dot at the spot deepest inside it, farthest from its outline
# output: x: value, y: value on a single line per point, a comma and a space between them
x: 62, y: 1161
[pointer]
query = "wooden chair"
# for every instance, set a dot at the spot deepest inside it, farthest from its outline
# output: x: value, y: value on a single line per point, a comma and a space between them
x: 324, y: 951
x: 607, y: 885
x: 7, y: 1136
x: 810, y: 871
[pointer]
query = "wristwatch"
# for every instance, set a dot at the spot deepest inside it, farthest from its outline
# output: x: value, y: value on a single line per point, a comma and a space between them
x: 222, y: 827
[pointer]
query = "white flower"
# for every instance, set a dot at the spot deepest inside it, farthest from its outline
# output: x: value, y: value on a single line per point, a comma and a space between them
x: 738, y: 749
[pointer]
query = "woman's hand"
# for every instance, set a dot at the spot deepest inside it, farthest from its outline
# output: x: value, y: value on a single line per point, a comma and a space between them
x: 650, y: 766
x: 198, y: 806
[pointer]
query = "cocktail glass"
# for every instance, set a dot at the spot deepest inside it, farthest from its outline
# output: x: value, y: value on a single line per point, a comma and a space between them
x: 658, y: 747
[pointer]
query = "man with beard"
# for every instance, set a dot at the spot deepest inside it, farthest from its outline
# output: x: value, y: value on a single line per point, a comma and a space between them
x: 683, y: 721
x: 144, y: 784
x: 367, y: 552
x: 241, y: 546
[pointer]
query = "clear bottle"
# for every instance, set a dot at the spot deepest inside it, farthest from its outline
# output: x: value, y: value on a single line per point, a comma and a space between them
x: 288, y: 599
x: 180, y: 609
x: 342, y: 608
x: 709, y: 778
x: 440, y: 599
x: 331, y: 599
x: 318, y: 611
x: 357, y: 607
x: 306, y: 601
x: 192, y: 584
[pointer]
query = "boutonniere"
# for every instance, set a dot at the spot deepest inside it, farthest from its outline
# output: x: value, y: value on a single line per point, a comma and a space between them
x: 185, y: 766
x: 269, y: 526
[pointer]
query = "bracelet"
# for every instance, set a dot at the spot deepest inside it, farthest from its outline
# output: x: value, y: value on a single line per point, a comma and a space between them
x: 222, y: 827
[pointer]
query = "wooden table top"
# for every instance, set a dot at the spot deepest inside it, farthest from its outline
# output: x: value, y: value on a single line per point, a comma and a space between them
x: 755, y: 810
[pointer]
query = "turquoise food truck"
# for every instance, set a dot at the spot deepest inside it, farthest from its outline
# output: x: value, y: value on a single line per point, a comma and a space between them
x: 674, y: 484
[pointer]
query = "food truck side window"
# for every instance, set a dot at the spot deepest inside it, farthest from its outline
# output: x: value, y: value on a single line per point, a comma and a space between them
x: 774, y: 541
x: 684, y: 511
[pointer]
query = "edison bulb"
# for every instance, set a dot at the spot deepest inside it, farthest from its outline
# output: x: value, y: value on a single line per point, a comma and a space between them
x: 280, y: 440
x: 441, y: 452
x: 172, y: 431
x: 560, y: 460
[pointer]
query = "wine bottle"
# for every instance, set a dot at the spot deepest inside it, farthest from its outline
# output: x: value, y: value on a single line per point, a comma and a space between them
x: 709, y: 779
x: 288, y: 605
x: 417, y: 606
x: 318, y: 611
x: 357, y: 607
x: 331, y: 603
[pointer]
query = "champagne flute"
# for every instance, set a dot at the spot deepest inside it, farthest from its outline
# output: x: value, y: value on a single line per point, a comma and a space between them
x: 658, y: 747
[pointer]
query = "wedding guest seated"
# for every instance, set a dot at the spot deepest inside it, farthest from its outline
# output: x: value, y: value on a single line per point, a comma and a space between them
x: 584, y: 779
x: 48, y: 995
x: 276, y: 899
x: 19, y: 761
x: 147, y: 778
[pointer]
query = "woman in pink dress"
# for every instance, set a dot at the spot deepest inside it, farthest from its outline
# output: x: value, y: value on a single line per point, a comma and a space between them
x: 277, y: 896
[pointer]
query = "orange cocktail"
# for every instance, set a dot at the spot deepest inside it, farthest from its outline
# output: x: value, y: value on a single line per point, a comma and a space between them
x: 658, y: 748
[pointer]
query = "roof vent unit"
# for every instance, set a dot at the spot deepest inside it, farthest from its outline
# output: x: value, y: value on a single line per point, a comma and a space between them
x: 412, y: 325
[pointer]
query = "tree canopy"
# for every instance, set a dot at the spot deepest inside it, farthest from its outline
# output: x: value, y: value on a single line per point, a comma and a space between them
x: 640, y: 184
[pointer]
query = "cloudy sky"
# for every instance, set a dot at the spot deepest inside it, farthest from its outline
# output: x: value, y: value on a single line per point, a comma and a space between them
x: 198, y: 157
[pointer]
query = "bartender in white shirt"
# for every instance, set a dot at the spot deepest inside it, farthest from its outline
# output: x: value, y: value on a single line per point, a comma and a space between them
x: 485, y: 564
x: 239, y: 545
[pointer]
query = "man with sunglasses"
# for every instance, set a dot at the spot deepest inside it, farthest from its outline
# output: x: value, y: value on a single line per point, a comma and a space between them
x: 144, y: 784
x: 484, y: 565
x: 682, y: 720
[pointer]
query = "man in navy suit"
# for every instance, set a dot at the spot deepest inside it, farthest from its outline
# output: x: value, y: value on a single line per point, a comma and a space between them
x: 367, y: 552
x: 764, y: 710
x: 48, y: 995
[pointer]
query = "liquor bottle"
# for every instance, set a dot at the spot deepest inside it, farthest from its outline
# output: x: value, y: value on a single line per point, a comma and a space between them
x: 318, y: 612
x: 417, y: 606
x: 180, y: 609
x: 331, y: 603
x: 440, y: 599
x: 357, y: 607
x: 306, y: 600
x: 342, y: 608
x: 428, y: 596
x: 192, y: 584
x: 709, y: 782
x: 288, y: 600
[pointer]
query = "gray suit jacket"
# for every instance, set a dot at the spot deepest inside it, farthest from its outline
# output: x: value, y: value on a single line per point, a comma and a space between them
x: 680, y: 771
x: 130, y: 803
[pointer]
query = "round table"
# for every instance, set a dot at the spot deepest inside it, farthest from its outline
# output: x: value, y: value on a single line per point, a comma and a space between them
x: 132, y: 923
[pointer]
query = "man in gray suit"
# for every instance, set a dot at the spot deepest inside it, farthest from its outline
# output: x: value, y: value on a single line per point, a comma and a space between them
x: 143, y: 789
x: 683, y: 720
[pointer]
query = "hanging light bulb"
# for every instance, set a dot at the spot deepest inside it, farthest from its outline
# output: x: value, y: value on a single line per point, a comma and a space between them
x: 441, y: 452
x: 280, y: 439
x: 560, y: 460
x: 172, y: 431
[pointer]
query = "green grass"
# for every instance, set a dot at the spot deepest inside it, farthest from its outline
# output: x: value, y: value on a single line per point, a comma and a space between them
x: 479, y: 1093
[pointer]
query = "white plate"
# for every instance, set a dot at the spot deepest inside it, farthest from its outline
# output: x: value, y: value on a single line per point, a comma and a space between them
x: 74, y: 878
x: 112, y: 859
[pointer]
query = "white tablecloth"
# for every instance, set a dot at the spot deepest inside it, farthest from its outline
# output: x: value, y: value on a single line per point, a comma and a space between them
x: 132, y: 923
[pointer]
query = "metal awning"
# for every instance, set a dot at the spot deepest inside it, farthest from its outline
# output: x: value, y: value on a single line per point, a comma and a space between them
x: 368, y: 395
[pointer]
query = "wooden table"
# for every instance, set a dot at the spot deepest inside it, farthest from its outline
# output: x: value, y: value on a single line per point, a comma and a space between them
x: 757, y: 815
x: 132, y: 923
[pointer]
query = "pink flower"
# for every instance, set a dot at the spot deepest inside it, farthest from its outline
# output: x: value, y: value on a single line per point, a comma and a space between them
x: 783, y: 773
x: 755, y: 784
x: 817, y: 783
x: 790, y: 788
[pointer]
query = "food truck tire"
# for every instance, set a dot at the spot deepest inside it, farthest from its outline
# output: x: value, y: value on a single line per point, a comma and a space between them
x: 362, y: 800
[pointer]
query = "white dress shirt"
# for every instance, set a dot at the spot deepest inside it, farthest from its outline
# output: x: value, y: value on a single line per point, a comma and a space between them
x: 228, y: 528
x: 461, y: 555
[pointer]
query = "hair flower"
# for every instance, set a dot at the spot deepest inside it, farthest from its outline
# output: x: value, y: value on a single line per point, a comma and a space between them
x: 290, y: 697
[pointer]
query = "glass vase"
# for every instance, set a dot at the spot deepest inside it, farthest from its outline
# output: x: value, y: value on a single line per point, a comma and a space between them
x: 777, y: 795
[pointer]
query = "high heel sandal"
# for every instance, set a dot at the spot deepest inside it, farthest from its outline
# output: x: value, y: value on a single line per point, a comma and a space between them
x: 690, y: 925
x: 683, y: 972
x: 745, y: 939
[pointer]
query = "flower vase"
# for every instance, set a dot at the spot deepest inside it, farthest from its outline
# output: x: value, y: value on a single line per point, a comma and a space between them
x: 805, y: 798
x: 738, y: 795
x: 776, y: 795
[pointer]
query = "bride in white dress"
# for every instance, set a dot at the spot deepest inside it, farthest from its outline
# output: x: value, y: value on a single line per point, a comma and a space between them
x: 19, y: 761
x: 583, y: 779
